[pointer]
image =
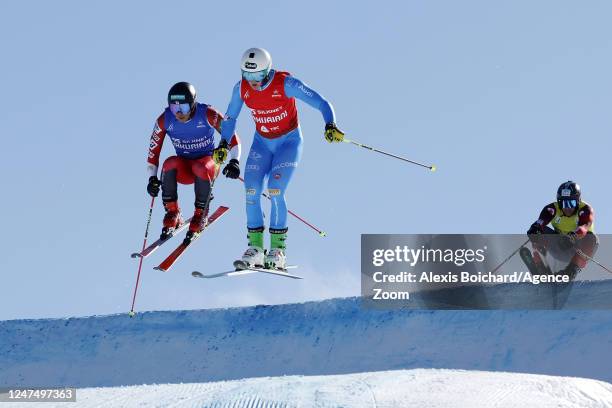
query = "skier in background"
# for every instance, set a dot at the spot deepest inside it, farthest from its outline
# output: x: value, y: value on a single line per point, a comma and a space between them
x: 572, y: 230
x: 276, y: 149
x: 190, y: 126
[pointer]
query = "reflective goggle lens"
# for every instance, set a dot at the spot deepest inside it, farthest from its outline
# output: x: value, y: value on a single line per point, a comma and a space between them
x: 258, y: 76
x: 569, y: 203
x: 184, y: 108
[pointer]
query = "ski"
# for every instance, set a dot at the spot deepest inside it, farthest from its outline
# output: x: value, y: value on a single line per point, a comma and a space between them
x: 155, y: 245
x: 246, y: 271
x: 178, y: 252
x: 527, y: 258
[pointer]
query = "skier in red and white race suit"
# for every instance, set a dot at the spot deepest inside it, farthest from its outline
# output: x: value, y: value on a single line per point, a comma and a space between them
x: 572, y: 235
x: 190, y: 126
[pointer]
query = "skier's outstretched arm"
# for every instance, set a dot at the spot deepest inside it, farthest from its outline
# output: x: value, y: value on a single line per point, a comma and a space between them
x: 155, y: 146
x: 215, y: 119
x: 297, y: 89
x: 233, y: 110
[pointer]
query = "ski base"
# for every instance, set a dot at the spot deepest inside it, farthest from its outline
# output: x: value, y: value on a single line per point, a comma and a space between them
x: 246, y: 271
x: 155, y: 245
x: 180, y: 250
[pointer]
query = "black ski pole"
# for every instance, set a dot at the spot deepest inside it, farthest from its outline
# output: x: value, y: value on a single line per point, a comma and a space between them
x: 510, y: 256
x: 590, y: 258
x: 432, y: 167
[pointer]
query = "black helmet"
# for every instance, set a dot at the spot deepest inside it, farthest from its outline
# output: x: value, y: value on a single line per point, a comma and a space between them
x: 568, y: 195
x: 182, y: 92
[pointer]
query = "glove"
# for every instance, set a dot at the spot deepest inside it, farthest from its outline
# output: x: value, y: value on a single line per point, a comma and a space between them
x: 232, y: 170
x: 332, y: 133
x: 566, y: 242
x: 153, y: 186
x: 534, y: 229
x: 220, y: 153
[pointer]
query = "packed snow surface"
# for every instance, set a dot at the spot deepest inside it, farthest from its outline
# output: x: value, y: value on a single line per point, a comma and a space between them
x: 423, y: 388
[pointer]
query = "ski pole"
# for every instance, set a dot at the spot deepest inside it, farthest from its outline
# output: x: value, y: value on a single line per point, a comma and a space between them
x: 210, y: 195
x: 590, y: 258
x: 321, y: 233
x: 144, y: 245
x: 510, y: 256
x: 432, y: 167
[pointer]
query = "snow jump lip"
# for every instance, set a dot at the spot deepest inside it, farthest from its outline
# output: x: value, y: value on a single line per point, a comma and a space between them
x: 335, y: 336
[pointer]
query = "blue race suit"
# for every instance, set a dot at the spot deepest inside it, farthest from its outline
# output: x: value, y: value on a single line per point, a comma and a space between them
x: 277, y: 156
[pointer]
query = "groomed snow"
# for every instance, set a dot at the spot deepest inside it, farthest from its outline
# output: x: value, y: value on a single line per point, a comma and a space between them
x: 422, y: 388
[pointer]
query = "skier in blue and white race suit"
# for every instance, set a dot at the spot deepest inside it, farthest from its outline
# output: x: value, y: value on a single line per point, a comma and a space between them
x: 276, y: 149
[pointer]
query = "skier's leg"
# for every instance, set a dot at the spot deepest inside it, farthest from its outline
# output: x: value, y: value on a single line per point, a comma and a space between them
x: 168, y: 179
x: 173, y: 169
x: 256, y: 169
x: 541, y: 242
x: 204, y: 170
x: 587, y: 245
x: 284, y: 163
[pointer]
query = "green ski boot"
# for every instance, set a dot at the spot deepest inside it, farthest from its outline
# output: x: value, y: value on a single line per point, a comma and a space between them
x: 254, y: 255
x: 275, y: 258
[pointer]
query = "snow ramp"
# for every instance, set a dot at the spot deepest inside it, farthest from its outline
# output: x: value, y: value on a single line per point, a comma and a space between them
x: 336, y: 336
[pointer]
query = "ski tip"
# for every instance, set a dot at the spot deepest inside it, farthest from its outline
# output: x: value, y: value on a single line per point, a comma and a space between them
x: 197, y: 274
x: 136, y: 255
x: 158, y: 268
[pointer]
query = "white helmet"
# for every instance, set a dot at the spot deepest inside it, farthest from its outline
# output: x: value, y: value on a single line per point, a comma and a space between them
x: 256, y: 59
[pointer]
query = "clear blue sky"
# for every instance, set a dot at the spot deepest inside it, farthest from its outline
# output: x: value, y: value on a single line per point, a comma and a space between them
x: 509, y: 99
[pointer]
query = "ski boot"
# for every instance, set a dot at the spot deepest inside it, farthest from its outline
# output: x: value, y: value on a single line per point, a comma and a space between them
x: 275, y: 258
x: 198, y: 221
x: 172, y: 219
x: 571, y: 270
x: 253, y: 257
x: 538, y: 260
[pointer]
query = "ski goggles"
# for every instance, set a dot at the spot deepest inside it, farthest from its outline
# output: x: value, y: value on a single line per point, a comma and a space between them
x: 258, y: 76
x: 568, y: 203
x: 184, y: 108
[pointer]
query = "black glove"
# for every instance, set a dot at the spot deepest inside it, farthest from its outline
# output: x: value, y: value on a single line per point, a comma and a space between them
x: 153, y: 186
x: 534, y: 229
x: 566, y: 242
x: 232, y: 169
